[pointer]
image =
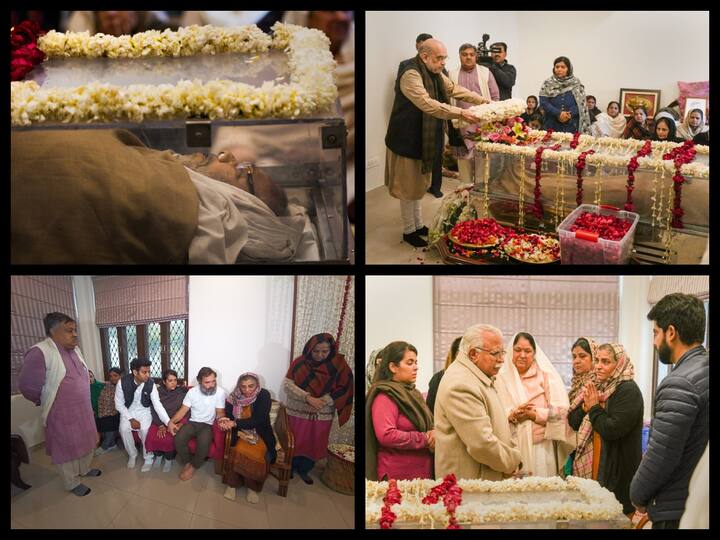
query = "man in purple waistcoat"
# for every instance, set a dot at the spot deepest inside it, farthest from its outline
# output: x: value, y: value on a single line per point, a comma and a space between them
x: 55, y: 377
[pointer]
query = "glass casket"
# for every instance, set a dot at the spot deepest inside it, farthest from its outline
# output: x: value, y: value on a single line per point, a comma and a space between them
x: 304, y: 154
x: 505, y: 181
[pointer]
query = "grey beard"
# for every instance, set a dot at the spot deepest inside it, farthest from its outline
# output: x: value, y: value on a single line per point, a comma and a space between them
x: 210, y: 392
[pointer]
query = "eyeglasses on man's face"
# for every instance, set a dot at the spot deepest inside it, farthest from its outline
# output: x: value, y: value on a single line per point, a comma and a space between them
x: 497, y: 354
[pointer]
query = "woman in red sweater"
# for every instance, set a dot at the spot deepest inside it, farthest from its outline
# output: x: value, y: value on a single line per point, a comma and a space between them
x: 399, y: 433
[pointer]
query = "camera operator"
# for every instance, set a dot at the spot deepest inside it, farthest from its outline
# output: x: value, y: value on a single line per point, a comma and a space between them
x: 503, y: 72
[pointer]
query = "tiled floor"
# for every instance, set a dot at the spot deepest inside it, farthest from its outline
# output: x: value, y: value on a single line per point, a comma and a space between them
x: 129, y: 499
x: 383, y: 239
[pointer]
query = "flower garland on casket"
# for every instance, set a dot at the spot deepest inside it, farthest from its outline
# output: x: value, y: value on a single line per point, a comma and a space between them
x: 311, y: 89
x: 24, y: 52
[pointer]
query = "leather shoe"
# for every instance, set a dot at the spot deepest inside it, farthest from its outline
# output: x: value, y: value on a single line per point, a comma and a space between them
x: 414, y: 240
x: 422, y: 231
x: 438, y: 194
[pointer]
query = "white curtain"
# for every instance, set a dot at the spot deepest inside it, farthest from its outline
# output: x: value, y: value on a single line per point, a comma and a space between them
x: 327, y: 304
x: 663, y: 285
x: 556, y: 310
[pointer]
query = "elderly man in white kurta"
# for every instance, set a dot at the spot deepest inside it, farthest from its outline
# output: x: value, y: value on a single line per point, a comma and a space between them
x: 477, y: 79
x: 134, y: 396
x: 416, y: 129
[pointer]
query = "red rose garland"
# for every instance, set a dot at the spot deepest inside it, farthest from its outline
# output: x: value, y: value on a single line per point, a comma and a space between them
x: 548, y: 135
x: 393, y: 496
x: 24, y: 53
x: 580, y: 166
x: 632, y: 167
x: 451, y: 495
x: 537, y: 205
x: 680, y: 156
x: 575, y: 140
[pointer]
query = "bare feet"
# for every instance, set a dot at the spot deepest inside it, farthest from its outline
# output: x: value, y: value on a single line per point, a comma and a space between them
x: 187, y: 472
x: 230, y: 493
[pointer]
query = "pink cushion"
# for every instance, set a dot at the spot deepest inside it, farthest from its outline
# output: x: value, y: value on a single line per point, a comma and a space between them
x: 699, y: 89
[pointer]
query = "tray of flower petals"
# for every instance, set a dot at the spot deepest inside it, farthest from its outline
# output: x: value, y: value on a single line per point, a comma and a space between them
x: 593, y: 234
x: 478, y: 233
x: 533, y: 248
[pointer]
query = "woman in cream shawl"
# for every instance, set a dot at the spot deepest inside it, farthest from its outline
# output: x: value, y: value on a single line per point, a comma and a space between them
x: 694, y: 124
x: 536, y: 402
x: 610, y: 123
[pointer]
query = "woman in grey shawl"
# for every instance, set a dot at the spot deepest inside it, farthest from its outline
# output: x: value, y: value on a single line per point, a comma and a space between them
x: 562, y: 97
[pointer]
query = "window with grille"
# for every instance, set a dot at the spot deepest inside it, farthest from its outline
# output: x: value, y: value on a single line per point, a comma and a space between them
x: 163, y: 343
x: 556, y: 310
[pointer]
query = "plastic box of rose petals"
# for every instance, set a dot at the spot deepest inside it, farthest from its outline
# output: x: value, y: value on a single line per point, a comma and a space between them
x: 586, y: 247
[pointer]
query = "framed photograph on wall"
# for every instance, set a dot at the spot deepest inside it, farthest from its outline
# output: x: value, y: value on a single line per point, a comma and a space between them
x: 633, y: 98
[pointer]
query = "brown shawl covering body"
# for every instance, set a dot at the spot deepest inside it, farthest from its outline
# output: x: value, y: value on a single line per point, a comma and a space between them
x: 411, y: 404
x: 98, y: 197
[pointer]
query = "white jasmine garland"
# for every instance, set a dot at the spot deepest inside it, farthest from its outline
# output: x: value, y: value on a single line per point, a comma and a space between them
x: 494, y: 111
x: 595, y: 502
x: 590, y: 140
x: 311, y: 88
x: 690, y: 169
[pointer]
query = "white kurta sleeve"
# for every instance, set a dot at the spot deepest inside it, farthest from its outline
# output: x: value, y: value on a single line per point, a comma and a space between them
x: 158, y: 406
x: 120, y: 403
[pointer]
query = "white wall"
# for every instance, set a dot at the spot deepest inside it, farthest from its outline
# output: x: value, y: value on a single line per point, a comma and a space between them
x: 399, y: 308
x: 238, y: 324
x: 609, y: 50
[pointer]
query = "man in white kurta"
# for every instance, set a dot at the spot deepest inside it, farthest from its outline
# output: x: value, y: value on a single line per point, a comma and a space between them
x: 137, y: 416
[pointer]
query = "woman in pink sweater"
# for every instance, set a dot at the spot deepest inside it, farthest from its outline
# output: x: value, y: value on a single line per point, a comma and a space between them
x: 399, y: 434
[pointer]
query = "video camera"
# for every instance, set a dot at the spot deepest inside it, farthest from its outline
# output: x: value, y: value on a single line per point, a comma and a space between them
x: 483, y: 53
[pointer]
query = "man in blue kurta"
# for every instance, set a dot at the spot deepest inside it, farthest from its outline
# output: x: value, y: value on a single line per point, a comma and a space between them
x: 55, y: 377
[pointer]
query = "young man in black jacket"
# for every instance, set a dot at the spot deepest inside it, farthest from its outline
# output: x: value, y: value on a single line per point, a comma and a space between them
x: 503, y: 72
x: 681, y: 423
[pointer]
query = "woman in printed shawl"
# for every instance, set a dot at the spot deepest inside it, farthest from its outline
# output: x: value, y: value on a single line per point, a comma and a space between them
x: 562, y: 97
x: 638, y: 127
x: 609, y: 424
x: 318, y: 383
x: 253, y: 442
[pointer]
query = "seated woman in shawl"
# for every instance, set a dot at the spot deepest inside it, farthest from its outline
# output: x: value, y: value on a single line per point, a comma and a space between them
x: 124, y: 203
x: 609, y: 424
x: 317, y: 384
x: 664, y: 130
x: 693, y: 125
x: 593, y: 111
x: 535, y: 400
x: 107, y: 420
x: 399, y: 434
x: 253, y: 442
x: 584, y: 352
x: 158, y: 440
x: 638, y: 127
x: 610, y: 123
x: 562, y: 97
x: 532, y: 108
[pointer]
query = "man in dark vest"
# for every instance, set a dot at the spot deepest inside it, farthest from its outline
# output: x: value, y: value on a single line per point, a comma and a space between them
x: 133, y: 397
x: 416, y: 131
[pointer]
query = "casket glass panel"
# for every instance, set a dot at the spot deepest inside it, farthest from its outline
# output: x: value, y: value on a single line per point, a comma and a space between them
x: 652, y: 198
x: 305, y: 156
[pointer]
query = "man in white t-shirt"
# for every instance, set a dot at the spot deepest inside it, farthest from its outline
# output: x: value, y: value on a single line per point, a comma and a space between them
x: 206, y: 402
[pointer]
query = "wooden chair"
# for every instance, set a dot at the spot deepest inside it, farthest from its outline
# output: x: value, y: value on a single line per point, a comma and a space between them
x: 284, y: 446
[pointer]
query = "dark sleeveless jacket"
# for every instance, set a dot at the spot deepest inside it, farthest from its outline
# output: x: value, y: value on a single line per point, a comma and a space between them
x: 129, y: 386
x: 404, y: 133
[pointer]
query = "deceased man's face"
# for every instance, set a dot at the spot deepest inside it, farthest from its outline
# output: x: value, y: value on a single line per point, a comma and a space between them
x: 222, y: 167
